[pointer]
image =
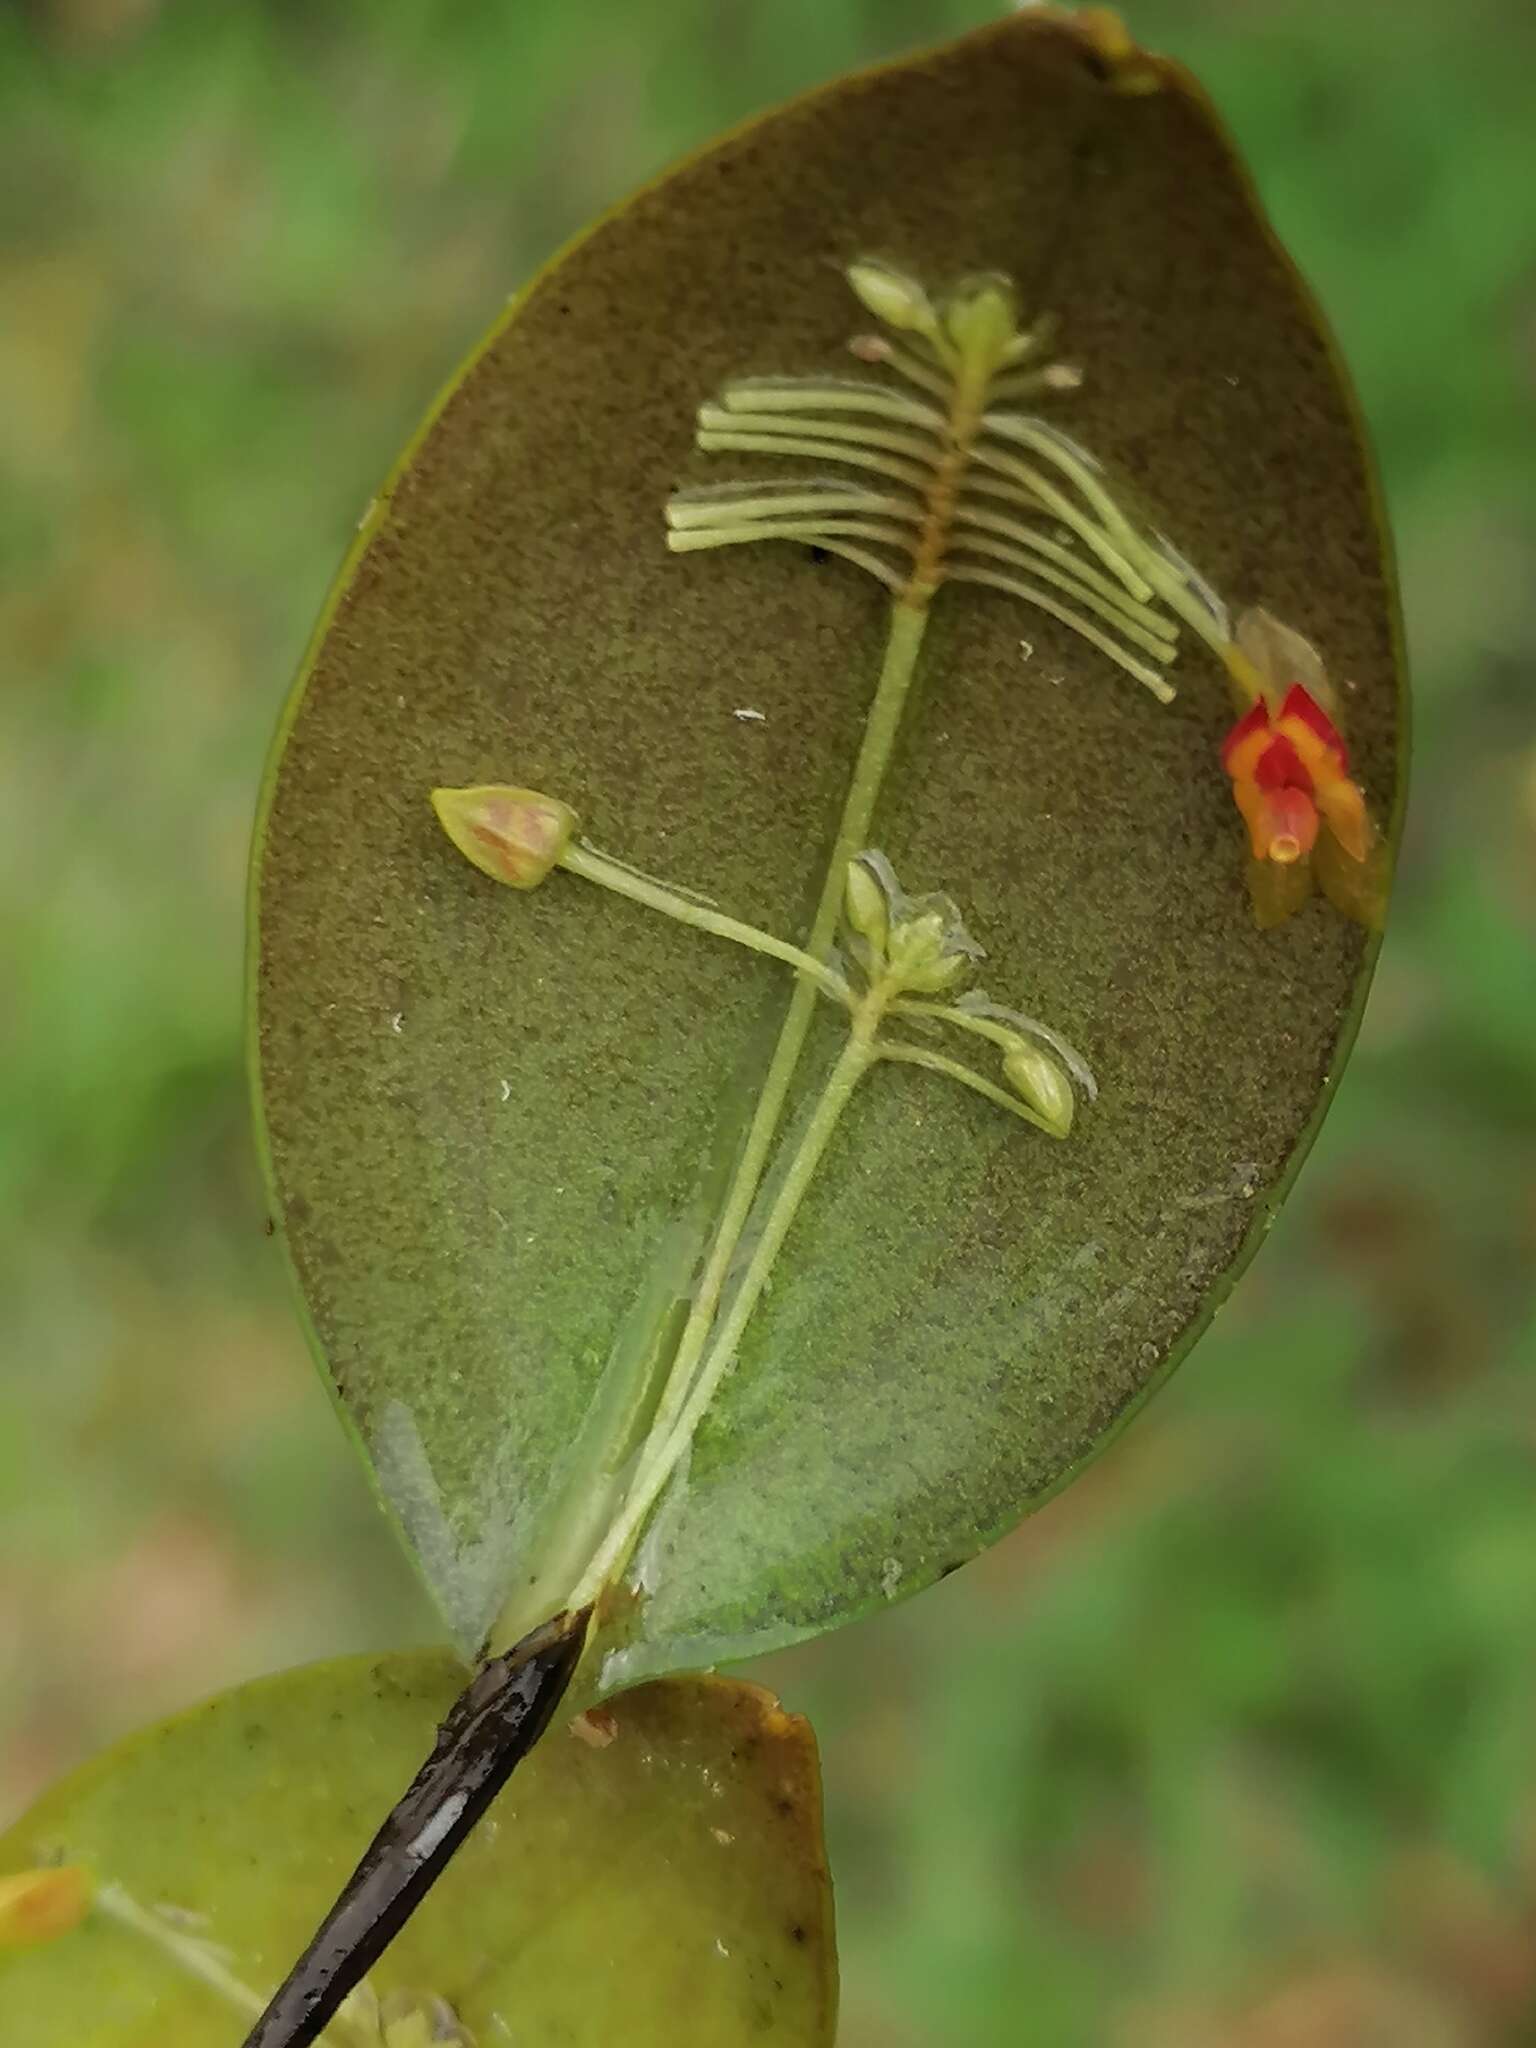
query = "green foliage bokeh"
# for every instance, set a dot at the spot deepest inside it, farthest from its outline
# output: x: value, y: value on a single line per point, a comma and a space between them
x: 1229, y: 1748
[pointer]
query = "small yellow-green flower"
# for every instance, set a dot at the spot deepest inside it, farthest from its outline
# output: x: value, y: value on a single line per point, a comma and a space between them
x: 513, y: 835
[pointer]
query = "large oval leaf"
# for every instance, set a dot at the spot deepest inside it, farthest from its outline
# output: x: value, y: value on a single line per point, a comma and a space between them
x: 670, y: 1861
x: 498, y: 1125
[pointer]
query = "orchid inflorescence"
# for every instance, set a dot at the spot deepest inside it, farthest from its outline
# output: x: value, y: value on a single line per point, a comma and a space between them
x: 952, y: 482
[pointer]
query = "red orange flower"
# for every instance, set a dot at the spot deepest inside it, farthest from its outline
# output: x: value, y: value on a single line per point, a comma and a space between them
x: 1306, y: 819
x: 1290, y: 775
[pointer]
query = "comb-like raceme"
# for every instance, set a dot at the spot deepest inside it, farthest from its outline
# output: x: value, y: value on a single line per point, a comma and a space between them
x: 933, y: 475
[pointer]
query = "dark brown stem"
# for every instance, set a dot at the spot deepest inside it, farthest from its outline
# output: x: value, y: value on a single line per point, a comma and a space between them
x: 490, y: 1728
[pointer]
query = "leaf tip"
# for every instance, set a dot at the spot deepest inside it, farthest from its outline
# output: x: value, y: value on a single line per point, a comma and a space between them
x: 1121, y: 62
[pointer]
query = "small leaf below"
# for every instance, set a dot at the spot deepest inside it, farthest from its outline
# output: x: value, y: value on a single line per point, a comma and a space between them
x: 661, y: 1856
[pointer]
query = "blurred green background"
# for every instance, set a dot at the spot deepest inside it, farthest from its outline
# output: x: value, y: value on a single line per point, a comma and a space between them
x: 1233, y: 1747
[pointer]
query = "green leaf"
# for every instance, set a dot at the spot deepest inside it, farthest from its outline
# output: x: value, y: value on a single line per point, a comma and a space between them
x: 501, y: 1128
x: 663, y: 1856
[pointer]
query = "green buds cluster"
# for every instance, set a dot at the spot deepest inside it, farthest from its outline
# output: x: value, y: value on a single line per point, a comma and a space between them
x: 909, y: 951
x: 976, y: 321
x: 915, y: 946
x: 910, y: 954
x: 513, y: 835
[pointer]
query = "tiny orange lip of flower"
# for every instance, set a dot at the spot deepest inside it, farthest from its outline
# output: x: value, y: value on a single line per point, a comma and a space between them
x: 1282, y: 823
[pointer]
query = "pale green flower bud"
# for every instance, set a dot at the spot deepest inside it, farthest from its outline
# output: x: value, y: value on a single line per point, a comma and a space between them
x: 1038, y: 1080
x: 891, y: 295
x: 866, y: 909
x: 513, y: 835
x: 981, y: 316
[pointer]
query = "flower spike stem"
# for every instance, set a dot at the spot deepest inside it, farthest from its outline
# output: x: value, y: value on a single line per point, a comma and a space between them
x: 626, y: 881
x: 665, y: 1447
x: 908, y: 624
x: 939, y: 1063
x: 193, y: 1958
x: 1002, y: 1028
